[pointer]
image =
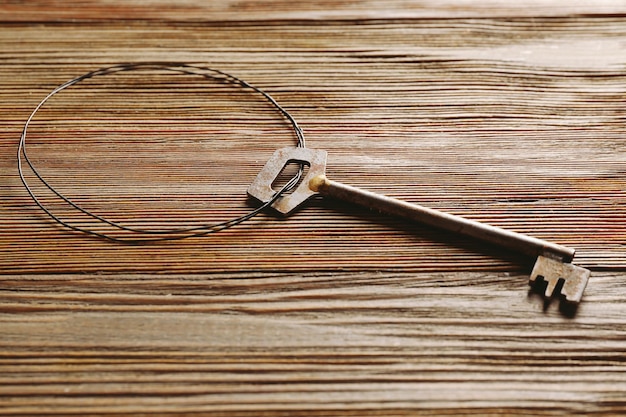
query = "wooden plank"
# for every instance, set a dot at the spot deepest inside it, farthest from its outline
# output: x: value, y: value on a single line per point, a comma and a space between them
x: 527, y: 141
x: 236, y: 10
x: 506, y: 113
x: 307, y: 344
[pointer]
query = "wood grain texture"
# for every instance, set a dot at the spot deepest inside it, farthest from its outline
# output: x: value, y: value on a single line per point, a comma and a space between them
x: 507, y: 113
x: 250, y: 10
x: 434, y: 114
x: 392, y: 344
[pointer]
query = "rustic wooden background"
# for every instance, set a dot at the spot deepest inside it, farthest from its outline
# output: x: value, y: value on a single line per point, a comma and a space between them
x: 507, y: 112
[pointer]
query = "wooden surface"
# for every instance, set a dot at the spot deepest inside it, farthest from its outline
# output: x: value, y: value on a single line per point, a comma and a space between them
x: 511, y: 114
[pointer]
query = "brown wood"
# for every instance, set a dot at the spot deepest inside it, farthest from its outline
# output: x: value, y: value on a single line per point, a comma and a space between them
x: 507, y: 113
x: 237, y: 10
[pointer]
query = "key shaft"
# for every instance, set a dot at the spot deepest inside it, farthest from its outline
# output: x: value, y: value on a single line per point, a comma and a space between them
x: 518, y: 242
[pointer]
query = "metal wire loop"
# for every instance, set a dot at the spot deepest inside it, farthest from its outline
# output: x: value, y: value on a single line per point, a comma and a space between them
x: 146, y: 235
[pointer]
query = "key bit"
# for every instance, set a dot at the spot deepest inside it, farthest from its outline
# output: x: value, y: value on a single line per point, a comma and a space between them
x: 553, y: 261
x: 556, y: 272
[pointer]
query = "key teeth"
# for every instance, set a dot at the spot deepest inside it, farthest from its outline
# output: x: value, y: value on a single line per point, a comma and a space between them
x: 574, y: 278
x: 553, y: 282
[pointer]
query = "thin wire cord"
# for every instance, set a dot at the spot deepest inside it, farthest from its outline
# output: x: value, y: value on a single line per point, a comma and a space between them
x: 167, y: 234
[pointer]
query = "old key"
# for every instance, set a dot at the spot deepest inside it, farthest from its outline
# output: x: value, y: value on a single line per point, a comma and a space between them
x: 553, y: 262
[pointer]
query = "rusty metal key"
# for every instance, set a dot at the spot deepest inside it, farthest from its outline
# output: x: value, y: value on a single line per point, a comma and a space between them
x: 553, y: 261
